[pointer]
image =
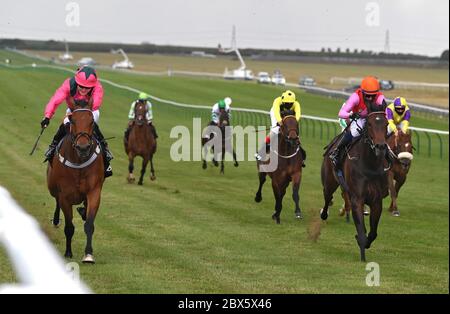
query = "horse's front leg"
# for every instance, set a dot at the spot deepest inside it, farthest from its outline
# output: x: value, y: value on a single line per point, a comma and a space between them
x: 93, y: 202
x: 398, y: 184
x: 69, y: 228
x: 131, y: 177
x: 262, y: 179
x: 222, y: 166
x: 204, y: 154
x: 296, y: 179
x: 375, y: 213
x: 278, y: 191
x: 392, y: 191
x: 144, y: 165
x: 56, y: 221
x: 236, y: 164
x: 358, y: 218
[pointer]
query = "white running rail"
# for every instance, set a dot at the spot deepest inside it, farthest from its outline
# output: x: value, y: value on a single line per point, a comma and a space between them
x: 38, y: 266
x: 174, y: 103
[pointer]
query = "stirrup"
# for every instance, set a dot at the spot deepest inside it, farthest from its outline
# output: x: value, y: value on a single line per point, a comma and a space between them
x: 258, y: 157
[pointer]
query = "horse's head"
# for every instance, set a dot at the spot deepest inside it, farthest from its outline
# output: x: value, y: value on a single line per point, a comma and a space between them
x: 140, y: 111
x: 289, y: 129
x: 81, y: 129
x: 376, y: 127
x: 403, y: 148
x: 224, y: 118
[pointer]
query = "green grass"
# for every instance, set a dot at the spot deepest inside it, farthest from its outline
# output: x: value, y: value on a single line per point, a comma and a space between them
x: 195, y: 231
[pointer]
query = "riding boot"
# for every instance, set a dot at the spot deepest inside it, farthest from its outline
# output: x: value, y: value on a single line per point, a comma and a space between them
x: 107, y: 155
x: 343, y: 142
x: 263, y: 151
x: 152, y: 127
x: 56, y: 139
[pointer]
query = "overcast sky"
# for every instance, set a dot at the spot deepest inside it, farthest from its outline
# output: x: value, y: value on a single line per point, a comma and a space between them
x: 415, y: 26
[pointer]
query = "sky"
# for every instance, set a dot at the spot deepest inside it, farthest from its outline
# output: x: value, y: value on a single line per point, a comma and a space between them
x: 414, y: 26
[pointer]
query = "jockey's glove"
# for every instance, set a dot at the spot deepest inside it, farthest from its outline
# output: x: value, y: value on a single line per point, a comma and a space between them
x: 45, y: 122
x: 355, y: 116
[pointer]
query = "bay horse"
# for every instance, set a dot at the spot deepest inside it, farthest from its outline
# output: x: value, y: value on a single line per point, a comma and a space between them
x: 75, y: 175
x: 402, y: 148
x: 141, y: 142
x: 225, y: 140
x: 363, y: 177
x: 289, y: 167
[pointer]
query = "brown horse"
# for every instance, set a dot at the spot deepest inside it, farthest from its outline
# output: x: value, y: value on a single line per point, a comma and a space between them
x: 289, y: 167
x: 75, y: 175
x: 363, y: 177
x: 401, y: 146
x: 141, y: 142
x: 224, y: 141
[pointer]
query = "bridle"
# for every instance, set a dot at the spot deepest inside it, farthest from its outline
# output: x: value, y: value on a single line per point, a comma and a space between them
x: 76, y: 137
x: 136, y: 116
x: 367, y: 138
x: 286, y: 138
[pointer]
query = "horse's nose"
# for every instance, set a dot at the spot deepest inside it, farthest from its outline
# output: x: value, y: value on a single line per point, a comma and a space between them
x: 380, y: 146
x: 82, y: 147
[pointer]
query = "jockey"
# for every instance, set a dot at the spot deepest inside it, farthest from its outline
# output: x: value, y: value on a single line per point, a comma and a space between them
x: 398, y: 115
x: 355, y: 108
x: 144, y: 99
x: 286, y: 101
x: 84, y: 86
x: 218, y: 108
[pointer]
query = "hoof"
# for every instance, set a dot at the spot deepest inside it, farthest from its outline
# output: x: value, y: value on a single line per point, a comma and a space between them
x: 276, y: 218
x: 298, y: 215
x: 88, y: 259
x: 342, y: 212
x: 215, y: 163
x: 153, y: 177
x: 236, y: 164
x: 68, y: 255
x: 131, y: 179
x: 396, y: 213
x: 323, y: 214
x: 366, y: 212
x: 258, y: 198
x: 57, y: 224
x: 140, y: 183
x: 204, y: 166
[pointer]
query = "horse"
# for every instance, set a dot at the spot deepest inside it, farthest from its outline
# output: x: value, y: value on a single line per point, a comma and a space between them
x: 289, y: 167
x: 363, y: 178
x: 75, y: 175
x: 224, y: 121
x: 141, y: 142
x: 402, y: 148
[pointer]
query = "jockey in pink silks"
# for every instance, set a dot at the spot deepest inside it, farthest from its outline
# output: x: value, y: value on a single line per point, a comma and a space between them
x: 84, y: 87
x: 355, y: 110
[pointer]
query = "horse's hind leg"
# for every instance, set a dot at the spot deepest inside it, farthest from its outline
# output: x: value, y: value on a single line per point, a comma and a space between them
x: 330, y: 185
x: 56, y: 221
x: 130, y: 178
x: 262, y: 179
x: 296, y: 179
x: 204, y: 154
x: 152, y: 170
x: 144, y: 165
x: 375, y: 214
